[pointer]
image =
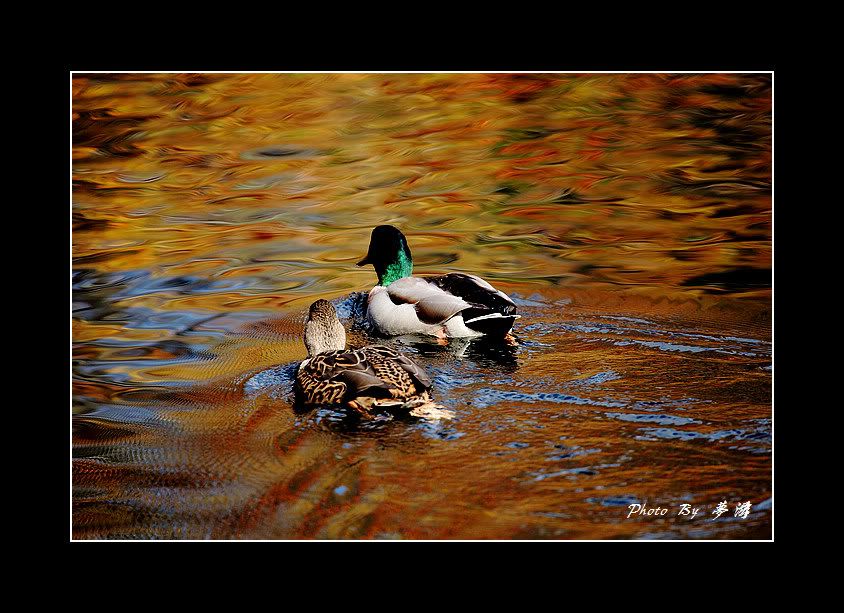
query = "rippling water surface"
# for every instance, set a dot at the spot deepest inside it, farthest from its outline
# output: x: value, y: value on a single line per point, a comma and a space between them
x: 629, y: 216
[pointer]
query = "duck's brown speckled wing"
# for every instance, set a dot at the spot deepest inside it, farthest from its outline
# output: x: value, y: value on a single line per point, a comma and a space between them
x: 315, y: 386
x: 376, y: 371
x: 408, y: 365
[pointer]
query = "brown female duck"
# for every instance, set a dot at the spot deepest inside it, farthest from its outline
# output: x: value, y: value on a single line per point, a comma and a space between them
x: 370, y: 379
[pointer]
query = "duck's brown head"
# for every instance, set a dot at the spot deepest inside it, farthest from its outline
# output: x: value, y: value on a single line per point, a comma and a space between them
x: 323, y: 331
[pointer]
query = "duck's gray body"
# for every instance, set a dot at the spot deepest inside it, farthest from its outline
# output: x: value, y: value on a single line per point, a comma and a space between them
x: 454, y: 305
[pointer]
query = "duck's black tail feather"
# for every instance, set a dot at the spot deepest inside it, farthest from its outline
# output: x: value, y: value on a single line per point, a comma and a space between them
x: 494, y: 325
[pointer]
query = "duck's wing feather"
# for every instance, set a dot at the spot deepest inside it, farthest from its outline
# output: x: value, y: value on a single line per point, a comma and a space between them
x: 349, y: 367
x: 433, y: 304
x: 409, y: 366
x: 474, y: 291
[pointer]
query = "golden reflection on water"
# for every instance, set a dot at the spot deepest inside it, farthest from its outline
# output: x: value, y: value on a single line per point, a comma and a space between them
x: 210, y: 210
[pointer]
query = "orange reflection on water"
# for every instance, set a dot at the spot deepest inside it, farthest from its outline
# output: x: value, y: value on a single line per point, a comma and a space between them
x: 210, y: 210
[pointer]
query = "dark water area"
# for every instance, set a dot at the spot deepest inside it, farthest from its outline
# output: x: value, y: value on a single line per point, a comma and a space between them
x: 629, y: 216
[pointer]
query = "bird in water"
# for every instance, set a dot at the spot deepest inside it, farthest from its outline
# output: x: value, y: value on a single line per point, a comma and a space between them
x: 451, y: 305
x: 372, y: 379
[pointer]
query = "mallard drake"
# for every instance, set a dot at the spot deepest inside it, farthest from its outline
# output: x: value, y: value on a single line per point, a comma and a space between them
x: 452, y: 305
x: 371, y: 378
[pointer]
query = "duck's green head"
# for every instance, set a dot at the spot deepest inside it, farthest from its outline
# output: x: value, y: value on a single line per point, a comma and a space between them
x: 389, y: 254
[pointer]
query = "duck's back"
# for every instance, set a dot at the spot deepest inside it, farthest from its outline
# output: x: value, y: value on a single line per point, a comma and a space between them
x: 376, y: 371
x: 475, y: 291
